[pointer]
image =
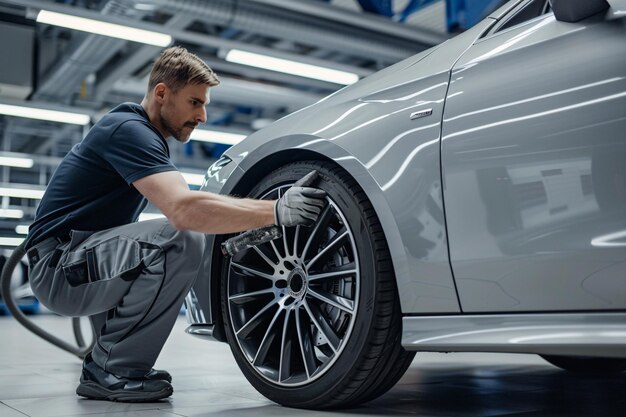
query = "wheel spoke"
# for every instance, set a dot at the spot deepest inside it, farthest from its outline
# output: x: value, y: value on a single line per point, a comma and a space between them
x: 284, y: 368
x: 306, y: 346
x: 266, y: 342
x: 285, y: 241
x: 253, y: 271
x: 341, y: 303
x: 336, y: 239
x: 323, y: 219
x: 295, y: 241
x: 323, y: 327
x: 265, y: 258
x: 254, y: 321
x: 245, y: 297
x: 278, y: 255
x: 333, y: 274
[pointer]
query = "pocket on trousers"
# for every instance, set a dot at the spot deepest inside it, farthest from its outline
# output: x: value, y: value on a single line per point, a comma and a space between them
x: 76, y: 270
x: 117, y: 256
x: 81, y: 267
x: 76, y: 274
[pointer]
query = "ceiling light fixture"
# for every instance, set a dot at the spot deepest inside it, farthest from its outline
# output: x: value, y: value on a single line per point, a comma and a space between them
x: 11, y: 214
x: 11, y: 241
x: 291, y: 67
x: 21, y: 229
x: 215, y: 136
x: 16, y: 162
x: 103, y: 28
x: 21, y: 193
x: 45, y: 114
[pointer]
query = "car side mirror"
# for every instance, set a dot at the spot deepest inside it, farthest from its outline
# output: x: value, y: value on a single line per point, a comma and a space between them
x: 575, y: 10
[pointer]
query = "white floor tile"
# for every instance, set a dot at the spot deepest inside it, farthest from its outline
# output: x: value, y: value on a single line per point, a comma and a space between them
x: 6, y: 411
x: 74, y: 405
x: 144, y: 413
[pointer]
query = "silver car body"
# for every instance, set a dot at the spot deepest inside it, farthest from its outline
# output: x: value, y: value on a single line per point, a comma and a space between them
x: 494, y: 163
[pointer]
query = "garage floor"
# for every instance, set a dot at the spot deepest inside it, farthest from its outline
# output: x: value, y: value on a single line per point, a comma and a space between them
x: 37, y: 379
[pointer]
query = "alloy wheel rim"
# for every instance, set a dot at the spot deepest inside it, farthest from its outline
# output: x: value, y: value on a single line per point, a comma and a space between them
x: 293, y: 302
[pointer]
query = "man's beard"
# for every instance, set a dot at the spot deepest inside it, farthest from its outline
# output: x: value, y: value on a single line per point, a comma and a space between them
x: 177, y: 133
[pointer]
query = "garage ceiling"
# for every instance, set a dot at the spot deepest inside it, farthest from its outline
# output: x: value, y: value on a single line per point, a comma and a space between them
x: 51, y: 67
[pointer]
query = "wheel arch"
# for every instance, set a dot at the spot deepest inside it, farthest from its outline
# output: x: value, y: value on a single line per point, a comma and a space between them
x: 279, y: 152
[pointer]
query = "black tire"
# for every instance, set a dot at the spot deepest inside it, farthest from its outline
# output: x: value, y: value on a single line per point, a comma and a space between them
x: 587, y: 365
x: 368, y: 358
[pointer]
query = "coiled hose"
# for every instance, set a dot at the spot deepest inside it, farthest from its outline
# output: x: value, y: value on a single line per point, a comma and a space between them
x: 81, y: 350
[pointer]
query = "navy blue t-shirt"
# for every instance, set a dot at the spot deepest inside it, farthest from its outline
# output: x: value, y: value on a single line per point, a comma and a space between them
x: 92, y: 187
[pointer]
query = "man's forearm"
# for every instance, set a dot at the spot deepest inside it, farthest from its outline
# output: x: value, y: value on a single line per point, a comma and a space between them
x: 217, y: 214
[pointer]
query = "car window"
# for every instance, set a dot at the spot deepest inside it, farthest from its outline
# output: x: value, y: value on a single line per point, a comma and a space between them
x: 525, y: 12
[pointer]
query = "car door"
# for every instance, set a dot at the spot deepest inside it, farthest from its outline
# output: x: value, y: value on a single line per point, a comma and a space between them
x: 534, y: 164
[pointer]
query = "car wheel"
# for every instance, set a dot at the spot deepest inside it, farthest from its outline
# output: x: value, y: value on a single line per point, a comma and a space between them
x: 583, y: 364
x: 313, y: 319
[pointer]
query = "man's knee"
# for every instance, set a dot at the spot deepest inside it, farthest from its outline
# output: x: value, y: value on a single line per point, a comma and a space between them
x: 194, y: 243
x: 188, y: 242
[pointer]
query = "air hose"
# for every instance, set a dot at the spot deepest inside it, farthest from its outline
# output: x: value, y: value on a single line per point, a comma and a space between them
x: 81, y: 350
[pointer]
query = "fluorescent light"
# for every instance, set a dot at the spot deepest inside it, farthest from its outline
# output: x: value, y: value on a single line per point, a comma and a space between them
x: 21, y: 193
x: 103, y: 28
x: 45, y: 114
x: 11, y: 241
x: 21, y: 229
x: 11, y: 214
x: 16, y: 162
x: 193, y: 179
x: 214, y: 136
x: 291, y: 67
x: 150, y: 216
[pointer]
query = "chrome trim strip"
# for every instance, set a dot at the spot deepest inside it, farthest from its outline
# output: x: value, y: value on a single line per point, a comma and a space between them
x: 575, y: 334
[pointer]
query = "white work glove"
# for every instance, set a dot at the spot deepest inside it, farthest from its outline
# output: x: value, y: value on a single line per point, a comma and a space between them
x: 300, y: 205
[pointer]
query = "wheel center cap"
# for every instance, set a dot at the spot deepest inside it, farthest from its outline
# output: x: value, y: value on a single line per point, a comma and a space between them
x: 296, y: 281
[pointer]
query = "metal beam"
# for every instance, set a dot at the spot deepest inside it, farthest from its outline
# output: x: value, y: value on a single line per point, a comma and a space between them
x: 370, y: 22
x: 237, y: 91
x: 55, y: 137
x: 139, y: 58
x: 186, y: 36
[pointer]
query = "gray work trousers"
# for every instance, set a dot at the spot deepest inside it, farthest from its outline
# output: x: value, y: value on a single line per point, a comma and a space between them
x: 130, y: 280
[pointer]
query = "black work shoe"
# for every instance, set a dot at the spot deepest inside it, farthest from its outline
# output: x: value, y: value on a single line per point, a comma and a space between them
x: 156, y: 374
x: 98, y: 384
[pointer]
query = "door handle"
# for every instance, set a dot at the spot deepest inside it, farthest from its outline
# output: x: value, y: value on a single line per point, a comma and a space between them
x: 420, y: 114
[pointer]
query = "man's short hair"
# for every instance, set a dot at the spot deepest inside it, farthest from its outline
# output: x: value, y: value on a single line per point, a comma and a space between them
x: 176, y: 67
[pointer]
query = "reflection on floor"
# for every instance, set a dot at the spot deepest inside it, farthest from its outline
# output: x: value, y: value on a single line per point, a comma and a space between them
x: 37, y: 379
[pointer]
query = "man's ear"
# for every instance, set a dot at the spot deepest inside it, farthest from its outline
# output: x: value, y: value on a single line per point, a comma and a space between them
x: 160, y: 91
